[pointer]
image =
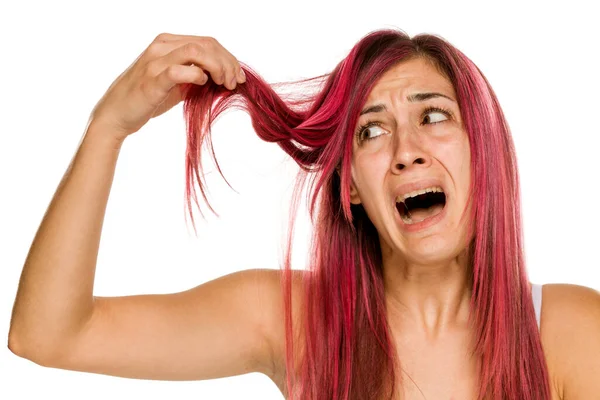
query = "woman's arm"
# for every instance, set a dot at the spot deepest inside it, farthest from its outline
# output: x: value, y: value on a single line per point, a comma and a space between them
x: 571, y: 337
x: 220, y: 328
x: 224, y: 327
x: 55, y: 298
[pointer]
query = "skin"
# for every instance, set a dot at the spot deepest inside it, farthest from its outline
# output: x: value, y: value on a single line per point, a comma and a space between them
x: 425, y: 272
x: 194, y: 334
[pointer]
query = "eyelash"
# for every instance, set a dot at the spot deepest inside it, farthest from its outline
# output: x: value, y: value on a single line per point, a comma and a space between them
x: 369, y: 124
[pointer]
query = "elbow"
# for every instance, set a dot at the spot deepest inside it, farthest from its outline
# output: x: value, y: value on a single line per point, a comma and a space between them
x: 14, y: 346
x: 19, y: 349
x: 31, y: 350
x: 15, y: 343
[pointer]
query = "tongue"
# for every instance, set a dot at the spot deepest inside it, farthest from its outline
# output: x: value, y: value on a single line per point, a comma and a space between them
x: 419, y: 214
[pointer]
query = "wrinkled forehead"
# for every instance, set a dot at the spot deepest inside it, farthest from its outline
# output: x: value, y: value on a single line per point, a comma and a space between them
x: 407, y: 77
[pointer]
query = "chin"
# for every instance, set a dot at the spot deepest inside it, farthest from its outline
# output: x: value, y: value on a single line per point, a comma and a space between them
x: 432, y: 251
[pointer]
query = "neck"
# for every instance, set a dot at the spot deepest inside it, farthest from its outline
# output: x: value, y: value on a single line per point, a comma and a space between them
x: 432, y: 299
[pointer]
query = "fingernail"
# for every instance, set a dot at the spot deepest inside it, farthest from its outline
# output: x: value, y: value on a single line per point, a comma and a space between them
x: 242, y: 75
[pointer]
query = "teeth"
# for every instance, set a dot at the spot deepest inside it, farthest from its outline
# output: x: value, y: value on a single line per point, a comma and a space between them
x: 400, y: 199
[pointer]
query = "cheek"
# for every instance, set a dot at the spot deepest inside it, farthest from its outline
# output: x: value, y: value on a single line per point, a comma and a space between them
x: 465, y: 161
x: 456, y: 153
x: 459, y: 164
x: 371, y: 161
x: 369, y: 176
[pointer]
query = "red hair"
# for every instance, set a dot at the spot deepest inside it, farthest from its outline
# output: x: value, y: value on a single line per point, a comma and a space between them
x: 348, y: 352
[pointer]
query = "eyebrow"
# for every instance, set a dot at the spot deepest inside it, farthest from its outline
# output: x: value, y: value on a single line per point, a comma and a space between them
x: 412, y: 98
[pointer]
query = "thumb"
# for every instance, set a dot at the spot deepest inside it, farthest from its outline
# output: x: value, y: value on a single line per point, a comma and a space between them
x: 173, y: 98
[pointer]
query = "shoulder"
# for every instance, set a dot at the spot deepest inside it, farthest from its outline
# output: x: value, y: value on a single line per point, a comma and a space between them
x: 570, y: 331
x: 273, y: 317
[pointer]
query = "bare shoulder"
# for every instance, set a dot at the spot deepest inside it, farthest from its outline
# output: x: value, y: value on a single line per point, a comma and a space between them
x: 570, y: 331
x: 276, y: 320
x: 269, y: 310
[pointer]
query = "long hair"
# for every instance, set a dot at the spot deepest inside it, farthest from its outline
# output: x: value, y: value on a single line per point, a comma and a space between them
x: 347, y: 351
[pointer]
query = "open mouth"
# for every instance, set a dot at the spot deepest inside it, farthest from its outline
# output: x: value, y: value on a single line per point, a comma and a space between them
x: 421, y: 207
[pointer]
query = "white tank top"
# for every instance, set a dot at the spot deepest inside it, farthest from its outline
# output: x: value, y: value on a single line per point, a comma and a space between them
x: 536, y: 294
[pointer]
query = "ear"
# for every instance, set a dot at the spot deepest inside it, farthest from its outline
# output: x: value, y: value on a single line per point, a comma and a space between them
x: 354, y: 197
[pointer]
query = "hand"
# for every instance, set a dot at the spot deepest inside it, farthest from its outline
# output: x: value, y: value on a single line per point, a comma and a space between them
x: 153, y: 84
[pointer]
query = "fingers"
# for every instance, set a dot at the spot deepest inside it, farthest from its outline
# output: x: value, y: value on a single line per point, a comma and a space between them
x: 176, y: 74
x: 205, y: 52
x: 150, y: 86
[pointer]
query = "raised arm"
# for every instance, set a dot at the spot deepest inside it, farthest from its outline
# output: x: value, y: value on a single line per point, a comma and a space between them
x: 224, y: 327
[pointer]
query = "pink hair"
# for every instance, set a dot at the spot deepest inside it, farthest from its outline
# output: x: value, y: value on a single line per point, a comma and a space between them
x: 348, y: 352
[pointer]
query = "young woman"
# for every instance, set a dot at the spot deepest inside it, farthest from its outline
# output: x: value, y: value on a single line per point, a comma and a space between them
x: 417, y: 286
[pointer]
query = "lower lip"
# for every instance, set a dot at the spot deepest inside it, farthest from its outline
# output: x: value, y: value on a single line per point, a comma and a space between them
x: 426, y: 223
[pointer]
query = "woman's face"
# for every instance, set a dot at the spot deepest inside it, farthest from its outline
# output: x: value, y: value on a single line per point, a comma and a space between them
x: 410, y: 145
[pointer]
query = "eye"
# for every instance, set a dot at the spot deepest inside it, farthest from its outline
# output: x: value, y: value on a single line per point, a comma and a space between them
x: 366, y: 128
x: 440, y: 115
x: 435, y: 110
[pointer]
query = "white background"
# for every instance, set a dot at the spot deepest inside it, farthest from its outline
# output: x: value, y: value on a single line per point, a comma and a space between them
x: 59, y: 58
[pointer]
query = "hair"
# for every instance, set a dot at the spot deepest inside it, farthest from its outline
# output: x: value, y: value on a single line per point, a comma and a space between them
x: 348, y: 351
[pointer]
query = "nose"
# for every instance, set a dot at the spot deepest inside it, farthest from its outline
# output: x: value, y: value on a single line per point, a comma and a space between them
x: 408, y: 153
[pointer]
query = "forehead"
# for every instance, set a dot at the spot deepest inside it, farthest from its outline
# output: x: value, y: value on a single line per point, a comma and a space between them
x: 416, y: 75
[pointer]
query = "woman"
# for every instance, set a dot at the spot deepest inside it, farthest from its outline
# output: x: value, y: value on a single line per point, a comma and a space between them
x: 417, y: 286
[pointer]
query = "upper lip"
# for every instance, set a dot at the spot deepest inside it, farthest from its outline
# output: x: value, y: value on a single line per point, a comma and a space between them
x: 418, y: 185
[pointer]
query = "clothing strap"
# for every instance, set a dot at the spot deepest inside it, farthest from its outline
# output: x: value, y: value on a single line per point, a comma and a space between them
x: 536, y: 294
